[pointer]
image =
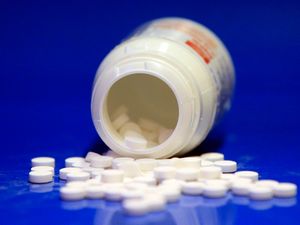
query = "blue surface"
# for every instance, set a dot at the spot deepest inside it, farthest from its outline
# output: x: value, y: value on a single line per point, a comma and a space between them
x: 49, y: 52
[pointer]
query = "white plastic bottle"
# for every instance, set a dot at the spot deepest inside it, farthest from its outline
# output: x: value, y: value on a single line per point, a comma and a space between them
x: 172, y: 76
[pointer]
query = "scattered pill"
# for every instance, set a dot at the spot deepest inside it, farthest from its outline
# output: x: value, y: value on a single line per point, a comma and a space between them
x: 40, y: 176
x: 131, y: 169
x: 267, y: 183
x: 192, y: 162
x: 64, y: 171
x: 187, y: 174
x: 72, y: 193
x: 171, y: 194
x: 90, y: 155
x: 212, y: 156
x: 94, y: 191
x: 241, y: 188
x: 227, y: 166
x: 210, y: 172
x: 113, y: 193
x: 130, y: 126
x: 69, y: 161
x: 205, y: 163
x: 148, y: 125
x: 285, y: 190
x: 78, y: 176
x: 164, y: 172
x: 120, y: 121
x: 112, y: 176
x: 247, y: 174
x: 146, y: 164
x: 118, y: 160
x: 214, y: 191
x: 193, y: 188
x: 260, y: 193
x: 135, y: 140
x: 135, y: 207
x: 43, y: 161
x: 155, y: 201
x: 102, y: 162
x: 43, y: 168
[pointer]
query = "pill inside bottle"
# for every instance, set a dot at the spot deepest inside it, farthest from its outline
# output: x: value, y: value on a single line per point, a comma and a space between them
x: 160, y: 92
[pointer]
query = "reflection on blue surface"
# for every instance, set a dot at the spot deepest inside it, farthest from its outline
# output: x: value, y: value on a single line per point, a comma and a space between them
x: 191, y: 210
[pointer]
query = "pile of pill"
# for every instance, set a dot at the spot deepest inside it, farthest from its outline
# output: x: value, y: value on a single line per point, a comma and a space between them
x: 147, y: 185
x: 145, y: 133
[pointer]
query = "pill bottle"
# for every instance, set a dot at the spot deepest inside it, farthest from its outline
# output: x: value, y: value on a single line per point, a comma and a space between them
x: 165, y: 87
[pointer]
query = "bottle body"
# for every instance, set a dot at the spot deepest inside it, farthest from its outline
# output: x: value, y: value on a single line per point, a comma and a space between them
x: 173, y: 71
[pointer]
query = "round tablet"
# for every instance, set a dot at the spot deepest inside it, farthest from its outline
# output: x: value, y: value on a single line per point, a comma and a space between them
x: 187, y: 174
x: 210, y: 172
x: 260, y: 193
x: 113, y: 193
x: 135, y: 140
x: 215, y: 191
x: 112, y: 176
x: 82, y: 164
x: 69, y: 161
x: 247, y: 174
x: 135, y: 207
x: 91, y: 155
x: 165, y: 162
x: 212, y: 156
x: 164, y: 172
x: 227, y: 166
x: 145, y: 180
x: 120, y: 121
x: 132, y: 194
x: 43, y: 168
x: 43, y: 161
x: 155, y: 201
x: 77, y: 184
x: 102, y: 162
x: 212, y: 182
x: 285, y: 190
x: 78, y: 176
x: 191, y: 162
x: 267, y: 183
x: 40, y: 177
x: 193, y: 188
x: 241, y: 188
x: 146, y: 164
x: 118, y: 160
x: 205, y: 163
x: 72, y: 193
x: 64, y: 171
x: 94, y: 191
x: 171, y: 194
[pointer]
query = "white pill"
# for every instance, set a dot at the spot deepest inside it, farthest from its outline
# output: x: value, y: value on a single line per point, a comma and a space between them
x: 130, y: 126
x: 118, y: 160
x: 187, y: 174
x: 247, y: 174
x: 78, y: 176
x: 192, y: 162
x: 285, y: 190
x: 72, y: 193
x: 94, y: 192
x: 174, y: 183
x: 122, y: 109
x: 215, y: 191
x: 260, y: 193
x: 212, y: 156
x: 112, y: 176
x: 93, y: 171
x: 113, y: 193
x: 210, y: 172
x: 132, y: 194
x: 205, y: 163
x: 135, y: 207
x: 148, y: 124
x: 135, y: 186
x: 177, y: 162
x: 217, y: 182
x: 164, y: 172
x: 165, y: 162
x: 77, y: 184
x: 90, y: 155
x: 193, y: 188
x: 227, y: 166
x: 43, y: 168
x: 102, y: 162
x: 228, y: 176
x: 120, y: 121
x: 267, y: 183
x: 131, y: 169
x: 171, y: 194
x: 112, y: 154
x: 40, y: 177
x: 64, y: 171
x: 96, y: 173
x: 96, y: 181
x: 80, y: 164
x: 43, y: 161
x: 241, y: 188
x: 155, y: 201
x: 164, y: 134
x: 146, y: 164
x: 69, y: 161
x: 135, y: 140
x: 146, y: 180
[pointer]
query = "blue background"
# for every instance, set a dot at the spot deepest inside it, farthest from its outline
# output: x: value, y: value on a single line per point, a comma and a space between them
x: 49, y: 52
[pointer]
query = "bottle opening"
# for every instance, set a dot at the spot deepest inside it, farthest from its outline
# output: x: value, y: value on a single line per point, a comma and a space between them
x: 142, y: 111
